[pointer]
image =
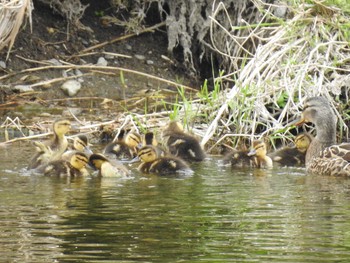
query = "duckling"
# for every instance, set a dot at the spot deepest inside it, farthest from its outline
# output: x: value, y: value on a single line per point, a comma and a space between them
x: 80, y: 143
x: 259, y: 151
x: 150, y: 139
x: 106, y: 167
x: 53, y: 149
x: 153, y: 163
x: 293, y: 156
x: 324, y: 156
x: 74, y: 167
x: 181, y: 144
x: 239, y: 158
x: 124, y: 148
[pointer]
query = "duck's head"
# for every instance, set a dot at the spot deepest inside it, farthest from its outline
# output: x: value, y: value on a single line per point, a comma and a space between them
x: 317, y: 111
x: 302, y: 142
x: 133, y: 140
x: 259, y: 149
x: 81, y: 143
x: 173, y: 126
x: 79, y: 160
x: 96, y: 160
x: 149, y: 139
x: 147, y: 154
x: 61, y: 127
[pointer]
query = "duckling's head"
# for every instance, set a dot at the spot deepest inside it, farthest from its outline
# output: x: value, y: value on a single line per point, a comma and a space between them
x: 97, y: 159
x: 80, y: 143
x: 61, y: 127
x: 133, y: 140
x: 302, y: 142
x: 147, y: 154
x: 259, y: 149
x: 174, y: 126
x: 79, y: 160
x: 149, y: 139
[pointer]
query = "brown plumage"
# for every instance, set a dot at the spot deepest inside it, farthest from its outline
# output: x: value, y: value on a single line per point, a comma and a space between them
x: 256, y: 157
x: 324, y: 156
x: 153, y: 163
x: 106, y: 167
x: 53, y: 149
x: 181, y: 144
x: 125, y: 147
x: 74, y: 167
x: 293, y: 156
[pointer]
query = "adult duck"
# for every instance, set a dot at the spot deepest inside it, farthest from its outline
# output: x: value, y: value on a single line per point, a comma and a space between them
x: 324, y: 156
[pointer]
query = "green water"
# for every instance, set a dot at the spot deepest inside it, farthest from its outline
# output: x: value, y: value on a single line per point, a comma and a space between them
x: 215, y: 215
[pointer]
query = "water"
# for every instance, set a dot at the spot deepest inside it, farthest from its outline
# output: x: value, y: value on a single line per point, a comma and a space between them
x: 215, y: 215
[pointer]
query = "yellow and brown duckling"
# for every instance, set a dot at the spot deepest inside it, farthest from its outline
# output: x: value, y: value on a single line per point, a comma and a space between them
x: 125, y: 147
x: 106, y: 167
x: 255, y: 157
x: 259, y: 152
x: 149, y: 138
x: 181, y: 144
x: 153, y: 163
x: 324, y: 156
x: 54, y: 148
x: 76, y: 166
x: 81, y: 144
x: 293, y: 156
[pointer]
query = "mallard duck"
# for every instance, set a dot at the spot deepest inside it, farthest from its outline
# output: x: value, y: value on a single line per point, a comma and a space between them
x: 125, y: 147
x: 181, y: 144
x: 255, y: 157
x: 149, y: 139
x: 80, y: 143
x: 153, y: 163
x: 259, y: 152
x: 54, y: 148
x: 324, y: 156
x: 74, y: 167
x: 293, y: 156
x: 239, y: 158
x: 106, y: 167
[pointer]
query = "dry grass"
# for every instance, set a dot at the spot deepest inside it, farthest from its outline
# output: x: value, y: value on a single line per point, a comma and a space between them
x: 12, y: 15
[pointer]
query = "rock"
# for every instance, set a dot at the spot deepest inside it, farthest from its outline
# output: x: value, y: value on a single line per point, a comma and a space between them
x: 140, y: 57
x: 71, y: 87
x: 109, y: 56
x: 22, y: 88
x: 54, y: 62
x: 102, y: 62
x: 149, y: 62
x: 2, y: 64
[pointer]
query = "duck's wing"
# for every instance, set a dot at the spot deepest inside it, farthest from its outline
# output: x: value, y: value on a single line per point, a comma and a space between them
x: 334, y: 160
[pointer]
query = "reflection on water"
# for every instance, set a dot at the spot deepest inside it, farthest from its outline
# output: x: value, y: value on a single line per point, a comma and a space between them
x: 216, y: 215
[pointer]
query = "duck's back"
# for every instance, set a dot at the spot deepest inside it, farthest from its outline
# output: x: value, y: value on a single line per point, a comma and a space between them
x: 185, y: 146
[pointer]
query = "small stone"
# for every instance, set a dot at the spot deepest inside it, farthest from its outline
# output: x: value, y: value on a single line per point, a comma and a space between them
x: 71, y: 87
x: 128, y: 47
x: 109, y: 56
x: 54, y: 62
x: 78, y: 72
x: 102, y: 62
x: 149, y: 62
x: 140, y: 57
x: 22, y: 88
x: 2, y: 64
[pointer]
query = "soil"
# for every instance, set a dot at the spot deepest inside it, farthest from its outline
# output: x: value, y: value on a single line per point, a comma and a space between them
x: 53, y: 38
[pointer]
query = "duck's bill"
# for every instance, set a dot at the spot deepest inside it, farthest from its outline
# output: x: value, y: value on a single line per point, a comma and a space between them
x: 297, y: 122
